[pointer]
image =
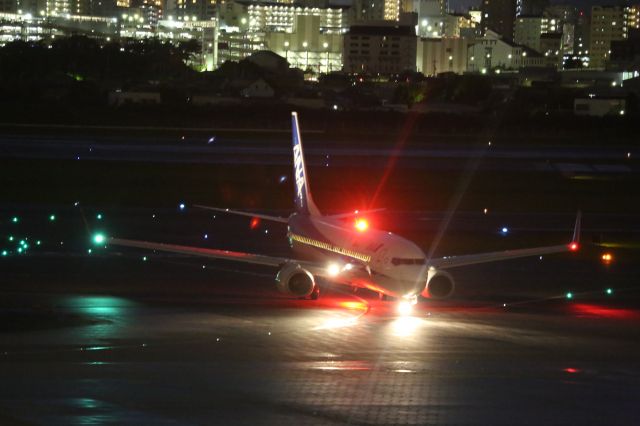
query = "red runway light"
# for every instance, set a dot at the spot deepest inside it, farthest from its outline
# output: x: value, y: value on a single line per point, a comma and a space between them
x: 255, y: 222
x: 574, y: 246
x: 571, y: 370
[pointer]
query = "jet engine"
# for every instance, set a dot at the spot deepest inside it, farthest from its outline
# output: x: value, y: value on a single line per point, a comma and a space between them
x: 294, y: 280
x: 440, y: 285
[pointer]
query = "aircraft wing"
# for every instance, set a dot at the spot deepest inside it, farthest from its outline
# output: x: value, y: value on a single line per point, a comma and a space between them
x: 242, y: 213
x: 494, y: 256
x: 314, y: 268
x: 473, y: 259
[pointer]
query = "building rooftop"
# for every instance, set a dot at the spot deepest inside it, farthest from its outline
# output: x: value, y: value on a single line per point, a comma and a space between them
x: 382, y: 30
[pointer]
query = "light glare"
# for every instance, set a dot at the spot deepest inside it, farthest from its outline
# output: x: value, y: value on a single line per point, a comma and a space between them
x: 405, y: 308
x: 362, y: 225
x: 333, y: 269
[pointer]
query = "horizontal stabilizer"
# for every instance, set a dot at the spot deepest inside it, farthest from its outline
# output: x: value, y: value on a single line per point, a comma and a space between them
x: 245, y: 213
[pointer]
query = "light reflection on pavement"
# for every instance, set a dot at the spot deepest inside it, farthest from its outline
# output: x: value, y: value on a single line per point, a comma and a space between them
x: 292, y: 361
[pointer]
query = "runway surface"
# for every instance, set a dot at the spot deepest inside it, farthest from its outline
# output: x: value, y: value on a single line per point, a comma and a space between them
x: 215, y: 149
x: 129, y: 337
x: 92, y: 335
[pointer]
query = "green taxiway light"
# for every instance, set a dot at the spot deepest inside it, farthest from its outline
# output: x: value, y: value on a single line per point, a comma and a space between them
x: 19, y: 249
x: 10, y: 237
x: 5, y: 253
x: 15, y: 219
x: 99, y: 238
x: 569, y: 295
x: 52, y: 217
x: 99, y: 216
x: 609, y: 291
x: 144, y: 258
x: 38, y: 242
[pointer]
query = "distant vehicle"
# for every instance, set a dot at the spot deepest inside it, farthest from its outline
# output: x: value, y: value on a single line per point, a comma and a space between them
x: 343, y: 249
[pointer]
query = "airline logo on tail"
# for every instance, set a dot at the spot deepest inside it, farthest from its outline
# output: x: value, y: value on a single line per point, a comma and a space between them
x: 303, y: 201
x: 299, y: 172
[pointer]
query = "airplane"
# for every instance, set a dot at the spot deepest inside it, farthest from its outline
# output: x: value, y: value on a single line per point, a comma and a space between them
x: 348, y: 252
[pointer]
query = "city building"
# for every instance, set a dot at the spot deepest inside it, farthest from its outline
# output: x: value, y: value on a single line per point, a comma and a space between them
x: 551, y: 48
x: 499, y: 16
x: 493, y: 53
x: 431, y: 16
x: 599, y: 107
x: 376, y: 10
x: 458, y: 25
x: 441, y: 55
x: 306, y: 47
x: 530, y: 7
x: 254, y: 17
x: 527, y: 31
x: 33, y: 28
x: 609, y: 23
x: 381, y: 49
x: 625, y: 54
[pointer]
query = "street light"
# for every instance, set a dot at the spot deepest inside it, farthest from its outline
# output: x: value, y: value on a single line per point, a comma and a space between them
x: 326, y: 45
x: 305, y: 44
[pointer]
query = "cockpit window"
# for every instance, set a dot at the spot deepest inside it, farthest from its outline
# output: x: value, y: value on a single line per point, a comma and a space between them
x: 408, y: 261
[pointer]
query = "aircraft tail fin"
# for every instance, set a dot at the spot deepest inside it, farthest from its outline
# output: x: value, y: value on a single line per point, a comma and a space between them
x: 303, y: 200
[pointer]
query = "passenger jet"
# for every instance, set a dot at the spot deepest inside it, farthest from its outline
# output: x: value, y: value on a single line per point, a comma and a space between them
x: 332, y: 248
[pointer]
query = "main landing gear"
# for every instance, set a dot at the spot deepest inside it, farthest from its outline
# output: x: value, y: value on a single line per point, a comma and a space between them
x: 315, y: 294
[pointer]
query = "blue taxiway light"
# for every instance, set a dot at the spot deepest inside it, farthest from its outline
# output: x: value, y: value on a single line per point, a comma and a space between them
x: 181, y: 206
x: 504, y: 230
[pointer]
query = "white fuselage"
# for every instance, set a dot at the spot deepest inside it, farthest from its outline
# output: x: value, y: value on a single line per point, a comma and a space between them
x: 380, y: 261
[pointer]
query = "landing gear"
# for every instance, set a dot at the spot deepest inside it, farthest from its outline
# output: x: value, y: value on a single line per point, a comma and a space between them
x: 315, y: 294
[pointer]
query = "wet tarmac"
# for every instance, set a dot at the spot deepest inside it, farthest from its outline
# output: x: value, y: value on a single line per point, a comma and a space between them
x: 92, y: 335
x: 129, y: 337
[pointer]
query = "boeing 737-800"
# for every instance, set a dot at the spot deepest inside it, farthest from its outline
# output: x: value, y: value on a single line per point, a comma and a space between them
x: 327, y: 247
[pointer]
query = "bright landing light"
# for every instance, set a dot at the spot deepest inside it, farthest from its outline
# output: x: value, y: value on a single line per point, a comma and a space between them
x: 405, y: 308
x: 333, y: 269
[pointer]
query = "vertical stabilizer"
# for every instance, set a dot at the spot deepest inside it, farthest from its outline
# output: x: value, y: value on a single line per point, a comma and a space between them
x: 303, y: 201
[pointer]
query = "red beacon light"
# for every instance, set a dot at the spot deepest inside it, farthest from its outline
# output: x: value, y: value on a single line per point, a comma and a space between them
x: 361, y: 225
x: 574, y: 246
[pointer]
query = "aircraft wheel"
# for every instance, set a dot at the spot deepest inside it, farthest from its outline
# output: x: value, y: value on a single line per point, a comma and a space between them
x: 315, y: 295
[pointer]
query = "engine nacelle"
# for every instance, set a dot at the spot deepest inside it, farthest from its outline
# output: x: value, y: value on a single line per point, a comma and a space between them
x: 296, y: 281
x: 440, y: 285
